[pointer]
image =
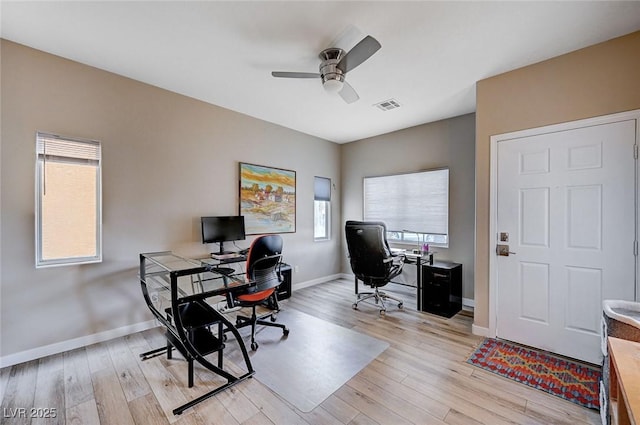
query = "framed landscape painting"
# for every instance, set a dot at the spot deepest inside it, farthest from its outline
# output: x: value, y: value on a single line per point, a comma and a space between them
x: 267, y: 199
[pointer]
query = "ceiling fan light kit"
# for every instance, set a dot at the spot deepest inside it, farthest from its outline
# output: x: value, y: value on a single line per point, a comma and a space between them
x: 332, y: 76
x: 334, y: 65
x: 333, y: 85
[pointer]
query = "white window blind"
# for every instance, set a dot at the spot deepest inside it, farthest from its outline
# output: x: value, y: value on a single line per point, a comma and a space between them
x: 68, y: 200
x: 65, y: 149
x: 321, y: 208
x: 410, y: 203
x: 321, y: 189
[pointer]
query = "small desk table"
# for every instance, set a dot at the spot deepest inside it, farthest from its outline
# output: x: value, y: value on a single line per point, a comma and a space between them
x: 624, y: 384
x: 169, y: 282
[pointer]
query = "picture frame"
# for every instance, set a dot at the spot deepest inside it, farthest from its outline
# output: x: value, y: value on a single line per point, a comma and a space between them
x: 267, y: 197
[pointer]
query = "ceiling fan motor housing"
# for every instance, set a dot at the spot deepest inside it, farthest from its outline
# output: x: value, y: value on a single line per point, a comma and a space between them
x: 335, y: 63
x: 332, y: 76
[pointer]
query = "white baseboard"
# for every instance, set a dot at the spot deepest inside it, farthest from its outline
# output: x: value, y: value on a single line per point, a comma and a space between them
x: 72, y: 344
x: 479, y: 330
x: 313, y: 282
x: 84, y: 341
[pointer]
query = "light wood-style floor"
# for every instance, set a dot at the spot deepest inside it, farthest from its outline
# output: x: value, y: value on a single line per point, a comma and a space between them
x: 422, y: 378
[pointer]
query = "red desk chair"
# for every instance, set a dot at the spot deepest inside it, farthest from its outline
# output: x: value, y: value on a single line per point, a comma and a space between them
x: 263, y: 263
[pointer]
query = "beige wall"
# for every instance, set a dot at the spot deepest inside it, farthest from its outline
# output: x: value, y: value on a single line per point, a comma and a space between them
x: 167, y: 160
x: 447, y: 143
x: 598, y: 80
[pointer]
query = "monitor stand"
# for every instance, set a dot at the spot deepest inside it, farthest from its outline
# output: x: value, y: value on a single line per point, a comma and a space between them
x: 221, y: 251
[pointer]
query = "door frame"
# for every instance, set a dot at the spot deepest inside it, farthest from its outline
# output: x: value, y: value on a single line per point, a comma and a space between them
x: 493, y: 195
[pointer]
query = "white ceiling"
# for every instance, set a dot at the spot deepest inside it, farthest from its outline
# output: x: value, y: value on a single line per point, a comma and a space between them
x: 223, y: 52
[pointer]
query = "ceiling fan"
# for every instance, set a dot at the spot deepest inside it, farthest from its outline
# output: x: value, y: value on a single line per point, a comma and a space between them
x: 335, y: 65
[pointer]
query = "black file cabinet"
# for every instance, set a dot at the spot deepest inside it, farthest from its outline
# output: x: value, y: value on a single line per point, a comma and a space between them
x: 284, y: 290
x: 442, y: 288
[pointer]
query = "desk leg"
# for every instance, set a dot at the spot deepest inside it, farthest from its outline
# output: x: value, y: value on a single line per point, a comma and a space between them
x: 419, y: 284
x: 226, y: 326
x: 153, y: 353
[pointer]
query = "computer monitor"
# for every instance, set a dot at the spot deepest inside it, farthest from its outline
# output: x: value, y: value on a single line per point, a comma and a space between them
x: 222, y: 229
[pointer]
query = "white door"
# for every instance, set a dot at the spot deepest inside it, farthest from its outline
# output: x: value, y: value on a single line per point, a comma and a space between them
x: 566, y: 204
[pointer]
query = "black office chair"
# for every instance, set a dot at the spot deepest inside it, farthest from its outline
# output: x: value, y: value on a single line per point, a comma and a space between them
x: 372, y: 261
x: 263, y: 264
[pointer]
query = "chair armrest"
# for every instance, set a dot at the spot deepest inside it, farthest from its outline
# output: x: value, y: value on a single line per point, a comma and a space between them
x: 397, y: 261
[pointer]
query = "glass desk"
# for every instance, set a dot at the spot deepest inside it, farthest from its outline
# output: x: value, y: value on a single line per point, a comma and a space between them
x: 175, y: 290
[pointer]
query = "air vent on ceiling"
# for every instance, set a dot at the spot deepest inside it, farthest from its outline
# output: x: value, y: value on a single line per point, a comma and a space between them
x: 387, y: 105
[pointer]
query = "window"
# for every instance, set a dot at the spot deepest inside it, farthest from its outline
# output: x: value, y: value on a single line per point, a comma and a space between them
x: 68, y: 201
x: 321, y: 209
x: 414, y: 206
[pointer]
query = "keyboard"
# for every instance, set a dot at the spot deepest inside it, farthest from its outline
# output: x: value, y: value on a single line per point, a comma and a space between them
x: 226, y: 256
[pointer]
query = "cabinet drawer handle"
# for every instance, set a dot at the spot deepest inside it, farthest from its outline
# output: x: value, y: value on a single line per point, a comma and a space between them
x: 442, y: 276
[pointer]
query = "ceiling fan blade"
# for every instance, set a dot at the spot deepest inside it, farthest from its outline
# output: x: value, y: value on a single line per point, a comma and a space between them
x: 348, y: 94
x: 360, y: 53
x: 295, y: 74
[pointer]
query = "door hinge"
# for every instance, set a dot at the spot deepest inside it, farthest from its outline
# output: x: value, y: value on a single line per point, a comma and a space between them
x: 635, y: 151
x: 635, y: 247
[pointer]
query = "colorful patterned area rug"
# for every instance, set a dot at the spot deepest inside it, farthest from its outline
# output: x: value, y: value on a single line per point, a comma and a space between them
x: 561, y: 377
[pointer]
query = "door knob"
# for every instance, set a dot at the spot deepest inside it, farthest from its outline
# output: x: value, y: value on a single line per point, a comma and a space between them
x: 503, y: 250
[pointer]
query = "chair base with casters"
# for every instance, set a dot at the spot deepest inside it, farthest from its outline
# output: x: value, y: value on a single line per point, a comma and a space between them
x: 379, y: 298
x: 254, y: 319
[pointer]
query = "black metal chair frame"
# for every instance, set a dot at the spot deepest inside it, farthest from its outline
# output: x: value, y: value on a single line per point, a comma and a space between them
x: 198, y: 323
